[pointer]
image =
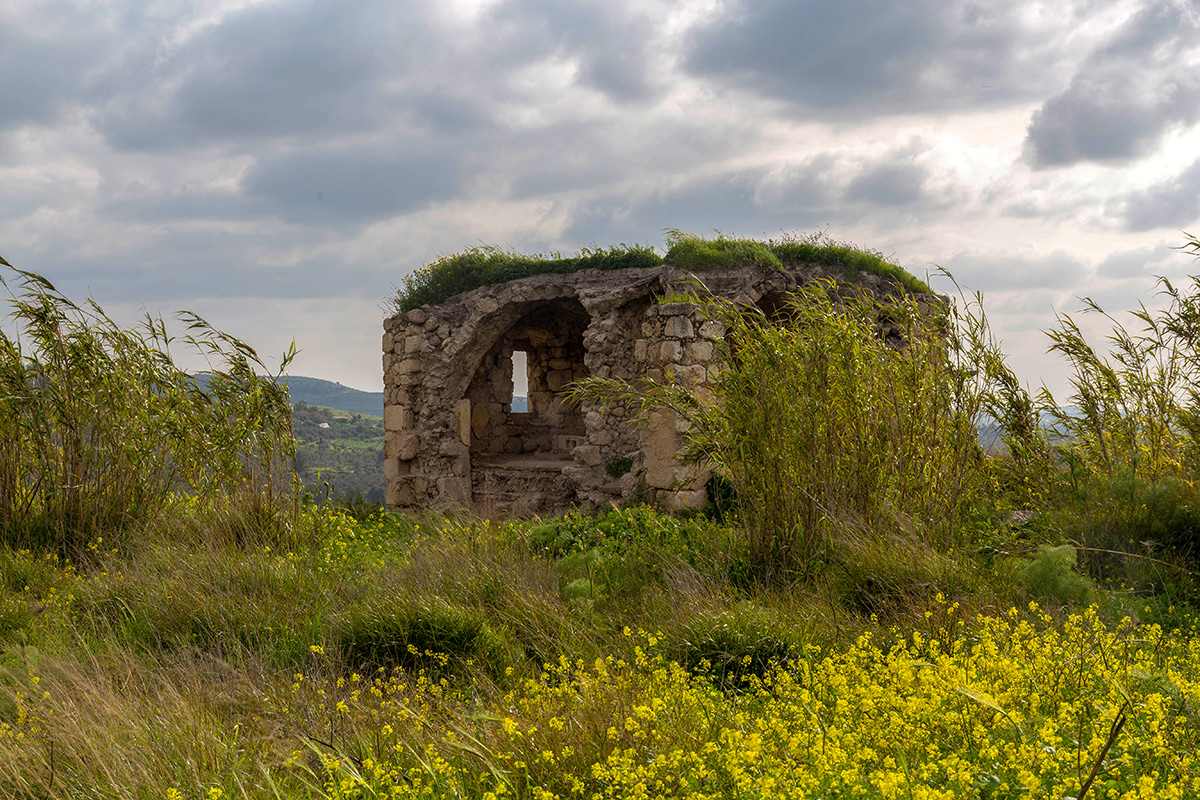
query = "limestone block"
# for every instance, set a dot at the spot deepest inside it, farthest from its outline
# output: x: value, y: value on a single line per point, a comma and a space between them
x: 416, y: 345
x: 601, y: 438
x: 409, y: 366
x: 462, y: 413
x: 593, y: 419
x: 397, y: 418
x: 679, y: 328
x: 557, y: 379
x: 673, y: 309
x: 453, y: 449
x: 480, y: 417
x: 628, y: 482
x: 462, y: 466
x: 408, y: 445
x: 416, y: 316
x: 712, y: 330
x: 659, y: 447
x: 389, y: 341
x: 670, y: 352
x: 700, y: 352
x: 400, y: 494
x: 639, y: 349
x: 588, y: 454
x: 650, y: 329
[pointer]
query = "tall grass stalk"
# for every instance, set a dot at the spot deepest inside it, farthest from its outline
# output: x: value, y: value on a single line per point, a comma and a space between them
x: 856, y: 412
x: 99, y: 426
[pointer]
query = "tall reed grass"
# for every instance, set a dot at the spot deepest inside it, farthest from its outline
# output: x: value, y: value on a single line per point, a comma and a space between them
x: 99, y: 427
x: 854, y: 413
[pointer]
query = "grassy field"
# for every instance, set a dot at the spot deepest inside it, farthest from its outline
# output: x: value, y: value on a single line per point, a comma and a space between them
x: 876, y: 607
x: 614, y: 656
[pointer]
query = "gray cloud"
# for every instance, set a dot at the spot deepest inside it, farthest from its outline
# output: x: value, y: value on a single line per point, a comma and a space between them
x: 608, y: 39
x: 1173, y: 203
x: 872, y: 56
x: 279, y: 70
x: 726, y: 203
x: 172, y: 270
x: 1140, y: 261
x: 888, y: 184
x: 339, y: 187
x: 43, y: 70
x: 1055, y: 270
x: 1126, y: 95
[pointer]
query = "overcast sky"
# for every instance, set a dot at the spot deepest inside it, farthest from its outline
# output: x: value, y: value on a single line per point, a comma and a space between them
x: 277, y: 166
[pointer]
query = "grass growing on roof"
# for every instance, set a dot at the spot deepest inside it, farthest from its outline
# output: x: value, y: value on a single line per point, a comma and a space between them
x: 487, y: 265
x: 484, y: 266
x: 817, y: 248
x: 696, y: 253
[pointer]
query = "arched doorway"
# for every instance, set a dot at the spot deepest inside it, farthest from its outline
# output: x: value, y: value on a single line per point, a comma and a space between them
x: 518, y: 451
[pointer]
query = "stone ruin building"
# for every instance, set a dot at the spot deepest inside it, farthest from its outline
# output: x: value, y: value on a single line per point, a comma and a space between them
x: 453, y: 439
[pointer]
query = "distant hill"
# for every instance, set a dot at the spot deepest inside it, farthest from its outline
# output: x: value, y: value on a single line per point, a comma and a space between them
x: 317, y: 392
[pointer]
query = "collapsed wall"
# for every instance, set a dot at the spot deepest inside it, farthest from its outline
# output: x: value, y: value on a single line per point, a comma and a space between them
x: 454, y: 439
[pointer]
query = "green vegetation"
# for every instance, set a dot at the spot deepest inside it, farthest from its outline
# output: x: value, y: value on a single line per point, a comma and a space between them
x: 485, y: 266
x: 695, y: 253
x: 824, y: 426
x: 880, y: 609
x: 339, y: 454
x: 99, y: 428
x: 848, y: 258
x: 317, y: 392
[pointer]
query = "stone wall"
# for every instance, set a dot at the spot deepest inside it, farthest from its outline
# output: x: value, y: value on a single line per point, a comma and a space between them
x: 452, y: 439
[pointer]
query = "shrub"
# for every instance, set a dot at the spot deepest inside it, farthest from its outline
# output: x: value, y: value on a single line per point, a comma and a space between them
x: 722, y: 497
x: 1051, y: 575
x: 429, y: 634
x: 731, y: 644
x: 892, y: 574
x: 1125, y: 447
x: 617, y: 466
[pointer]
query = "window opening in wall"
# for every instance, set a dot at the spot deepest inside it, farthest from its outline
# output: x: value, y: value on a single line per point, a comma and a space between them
x: 520, y: 382
x: 539, y: 355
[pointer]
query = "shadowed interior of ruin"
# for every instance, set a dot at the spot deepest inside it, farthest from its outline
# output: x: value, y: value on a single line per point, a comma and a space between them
x: 507, y: 445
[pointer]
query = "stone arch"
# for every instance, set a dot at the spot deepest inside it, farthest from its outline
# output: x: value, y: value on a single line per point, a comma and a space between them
x: 486, y: 326
x: 551, y: 335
